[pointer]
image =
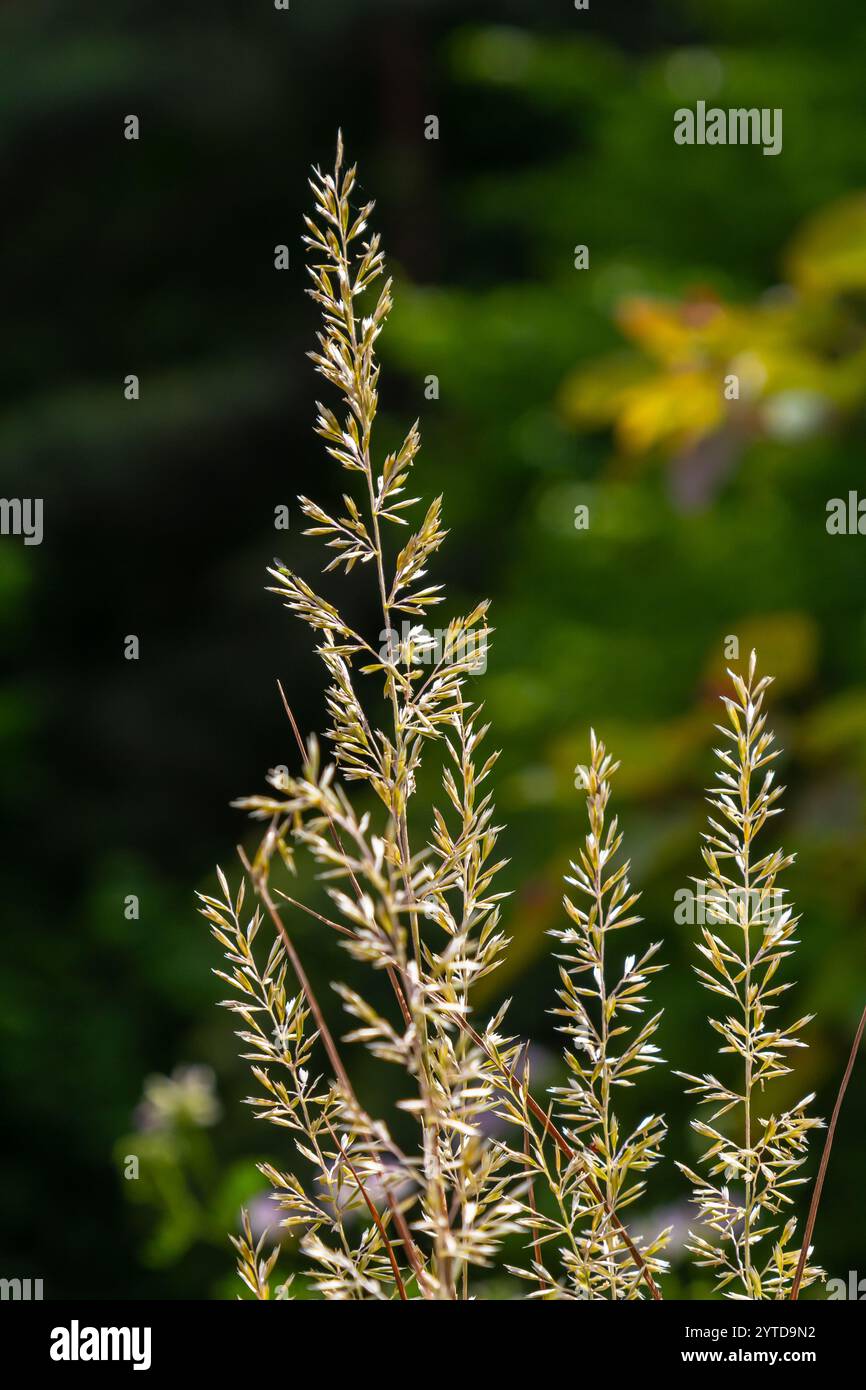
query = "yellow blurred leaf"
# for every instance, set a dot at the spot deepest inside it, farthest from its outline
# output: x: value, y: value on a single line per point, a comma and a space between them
x: 829, y: 253
x: 675, y: 409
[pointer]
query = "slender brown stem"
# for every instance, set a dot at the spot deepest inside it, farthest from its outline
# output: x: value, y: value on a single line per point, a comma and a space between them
x: 825, y: 1159
x: 326, y: 1036
x: 411, y: 1248
x: 536, y: 1244
x: 295, y: 730
x: 401, y: 1287
x: 324, y: 1031
x: 326, y: 921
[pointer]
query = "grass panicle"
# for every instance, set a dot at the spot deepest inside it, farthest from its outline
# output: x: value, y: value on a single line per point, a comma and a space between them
x: 414, y: 895
x: 754, y: 1159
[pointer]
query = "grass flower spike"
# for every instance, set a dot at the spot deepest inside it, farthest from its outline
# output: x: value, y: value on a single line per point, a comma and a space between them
x: 754, y: 1159
x: 426, y: 917
x: 425, y: 1203
x: 601, y: 1005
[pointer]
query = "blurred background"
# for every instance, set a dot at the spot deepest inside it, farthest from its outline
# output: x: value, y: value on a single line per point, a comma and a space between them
x: 557, y: 388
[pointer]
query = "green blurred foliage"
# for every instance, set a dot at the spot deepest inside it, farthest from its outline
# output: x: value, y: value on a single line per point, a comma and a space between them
x: 558, y: 388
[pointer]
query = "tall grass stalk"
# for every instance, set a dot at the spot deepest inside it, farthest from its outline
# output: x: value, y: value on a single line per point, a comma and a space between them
x: 496, y: 1179
x: 754, y: 1162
